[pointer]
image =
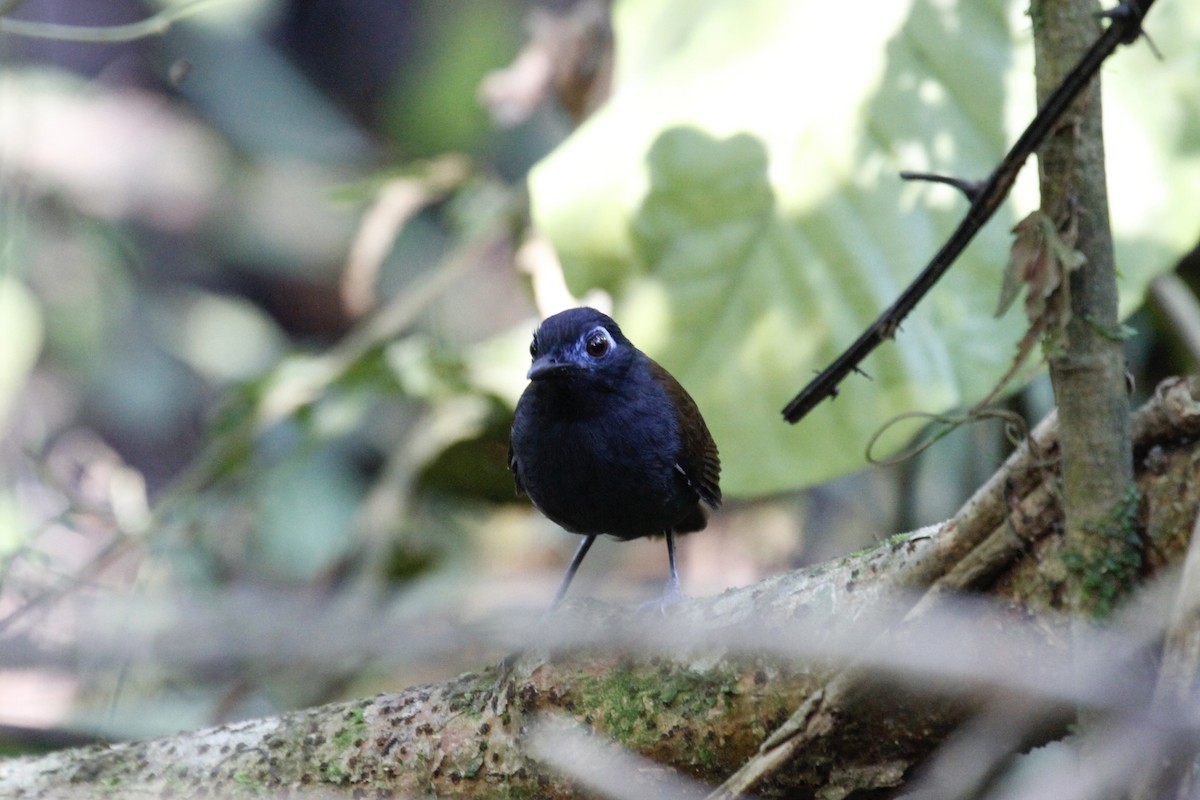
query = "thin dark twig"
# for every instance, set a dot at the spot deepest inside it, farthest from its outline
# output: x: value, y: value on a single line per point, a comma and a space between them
x: 968, y: 187
x: 1124, y: 27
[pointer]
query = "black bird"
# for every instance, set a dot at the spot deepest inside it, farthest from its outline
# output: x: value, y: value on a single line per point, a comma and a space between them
x: 605, y: 441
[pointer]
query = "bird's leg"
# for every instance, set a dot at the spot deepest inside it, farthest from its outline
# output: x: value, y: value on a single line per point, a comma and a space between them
x: 576, y: 560
x: 504, y: 668
x: 672, y: 593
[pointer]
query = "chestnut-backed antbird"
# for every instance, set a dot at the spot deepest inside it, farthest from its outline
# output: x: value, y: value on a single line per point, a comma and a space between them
x: 605, y: 441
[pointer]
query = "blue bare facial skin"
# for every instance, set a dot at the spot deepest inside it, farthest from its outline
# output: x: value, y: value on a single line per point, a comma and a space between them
x: 606, y: 441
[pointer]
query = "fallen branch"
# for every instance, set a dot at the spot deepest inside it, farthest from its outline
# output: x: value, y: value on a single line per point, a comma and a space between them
x: 700, y: 690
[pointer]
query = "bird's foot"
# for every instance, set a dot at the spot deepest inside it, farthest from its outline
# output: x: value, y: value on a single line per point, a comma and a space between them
x: 670, y: 596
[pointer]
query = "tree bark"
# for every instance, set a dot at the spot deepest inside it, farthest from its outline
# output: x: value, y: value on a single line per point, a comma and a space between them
x: 1087, y: 362
x: 700, y: 710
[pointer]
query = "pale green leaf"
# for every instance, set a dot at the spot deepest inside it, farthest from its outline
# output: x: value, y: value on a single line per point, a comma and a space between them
x: 739, y: 197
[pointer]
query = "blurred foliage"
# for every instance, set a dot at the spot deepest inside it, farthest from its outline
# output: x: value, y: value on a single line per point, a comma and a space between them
x: 749, y: 234
x: 189, y: 379
x: 21, y: 332
x: 264, y: 321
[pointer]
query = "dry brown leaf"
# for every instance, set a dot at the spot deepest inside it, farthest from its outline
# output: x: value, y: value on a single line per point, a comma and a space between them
x: 1041, y: 258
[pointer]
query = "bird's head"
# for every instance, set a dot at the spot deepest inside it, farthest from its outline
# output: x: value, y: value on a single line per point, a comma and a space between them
x: 579, y: 343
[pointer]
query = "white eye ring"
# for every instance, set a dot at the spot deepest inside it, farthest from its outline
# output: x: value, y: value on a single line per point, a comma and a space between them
x: 598, y: 343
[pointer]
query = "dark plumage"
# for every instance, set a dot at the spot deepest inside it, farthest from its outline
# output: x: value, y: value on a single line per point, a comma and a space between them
x: 605, y: 441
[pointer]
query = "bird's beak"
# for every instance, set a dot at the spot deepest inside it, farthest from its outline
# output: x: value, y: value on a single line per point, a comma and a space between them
x: 546, y: 367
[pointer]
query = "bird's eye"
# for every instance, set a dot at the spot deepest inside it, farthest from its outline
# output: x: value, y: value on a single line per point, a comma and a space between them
x: 598, y: 343
x: 533, y: 347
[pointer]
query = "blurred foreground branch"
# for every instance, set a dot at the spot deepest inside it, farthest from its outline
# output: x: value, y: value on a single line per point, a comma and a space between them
x: 154, y: 25
x: 852, y: 672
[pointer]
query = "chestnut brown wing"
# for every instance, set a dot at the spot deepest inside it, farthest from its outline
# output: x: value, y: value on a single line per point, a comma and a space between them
x: 698, y: 458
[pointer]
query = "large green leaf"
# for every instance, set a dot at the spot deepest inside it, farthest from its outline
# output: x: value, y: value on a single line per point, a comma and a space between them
x: 739, y: 197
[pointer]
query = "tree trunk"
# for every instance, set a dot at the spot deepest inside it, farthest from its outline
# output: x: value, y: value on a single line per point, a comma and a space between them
x: 1087, y: 361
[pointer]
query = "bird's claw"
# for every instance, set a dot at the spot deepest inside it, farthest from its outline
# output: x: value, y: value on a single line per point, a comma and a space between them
x: 670, y: 596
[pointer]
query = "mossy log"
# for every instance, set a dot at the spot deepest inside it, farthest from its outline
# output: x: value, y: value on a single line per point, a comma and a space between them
x: 700, y: 712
